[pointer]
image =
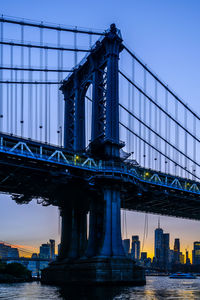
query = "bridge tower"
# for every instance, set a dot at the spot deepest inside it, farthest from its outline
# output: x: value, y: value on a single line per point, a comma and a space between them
x: 101, y: 257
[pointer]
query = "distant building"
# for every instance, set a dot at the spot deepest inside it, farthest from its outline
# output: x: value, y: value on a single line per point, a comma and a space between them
x: 34, y: 255
x: 187, y: 258
x: 161, y: 248
x: 166, y: 250
x: 7, y: 251
x: 45, y: 251
x: 196, y: 254
x: 171, y: 257
x: 59, y: 245
x: 52, y: 249
x: 135, y: 250
x: 182, y: 258
x: 144, y: 260
x: 143, y: 255
x: 176, y: 251
x: 126, y: 245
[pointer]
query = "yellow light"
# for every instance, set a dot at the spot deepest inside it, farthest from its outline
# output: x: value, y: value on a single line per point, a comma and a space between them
x: 77, y: 157
x: 147, y: 174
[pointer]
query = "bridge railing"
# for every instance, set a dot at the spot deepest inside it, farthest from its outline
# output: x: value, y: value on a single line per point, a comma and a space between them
x: 51, y: 154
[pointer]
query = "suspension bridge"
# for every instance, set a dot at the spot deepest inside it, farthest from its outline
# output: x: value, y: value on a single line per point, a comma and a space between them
x: 87, y: 126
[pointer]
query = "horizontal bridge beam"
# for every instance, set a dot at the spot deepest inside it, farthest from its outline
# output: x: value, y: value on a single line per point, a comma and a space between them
x: 43, y: 47
x: 34, y: 69
x: 30, y: 82
x: 49, y: 26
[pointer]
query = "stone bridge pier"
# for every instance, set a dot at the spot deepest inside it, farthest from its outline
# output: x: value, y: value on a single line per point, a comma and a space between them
x: 98, y: 258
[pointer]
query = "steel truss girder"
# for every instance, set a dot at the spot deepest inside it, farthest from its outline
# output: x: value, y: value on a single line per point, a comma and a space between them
x: 34, y: 157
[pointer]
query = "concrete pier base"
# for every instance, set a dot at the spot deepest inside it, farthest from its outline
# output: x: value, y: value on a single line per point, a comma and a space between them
x: 95, y: 271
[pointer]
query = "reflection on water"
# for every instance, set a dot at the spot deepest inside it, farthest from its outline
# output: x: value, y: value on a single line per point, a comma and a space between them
x: 156, y: 288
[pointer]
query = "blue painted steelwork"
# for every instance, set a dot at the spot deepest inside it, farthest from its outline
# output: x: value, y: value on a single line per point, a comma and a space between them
x: 48, y: 153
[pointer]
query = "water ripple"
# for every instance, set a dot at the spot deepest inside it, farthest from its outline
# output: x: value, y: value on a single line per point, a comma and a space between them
x: 157, y: 288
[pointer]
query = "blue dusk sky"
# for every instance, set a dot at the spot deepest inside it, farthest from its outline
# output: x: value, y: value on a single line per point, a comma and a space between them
x: 165, y: 34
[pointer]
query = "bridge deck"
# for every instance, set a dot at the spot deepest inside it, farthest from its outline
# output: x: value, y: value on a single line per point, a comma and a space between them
x: 47, y: 169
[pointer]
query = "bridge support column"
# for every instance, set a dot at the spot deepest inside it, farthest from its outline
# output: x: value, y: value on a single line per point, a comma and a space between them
x: 78, y: 234
x: 112, y: 241
x: 95, y: 227
x: 105, y: 226
x: 73, y: 233
x: 66, y: 228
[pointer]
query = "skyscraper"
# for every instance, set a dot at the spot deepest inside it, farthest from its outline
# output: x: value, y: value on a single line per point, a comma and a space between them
x: 166, y: 250
x: 187, y: 258
x: 135, y: 251
x: 159, y: 246
x: 45, y: 251
x: 176, y: 251
x: 126, y: 245
x: 196, y: 254
x: 52, y: 249
x: 143, y: 255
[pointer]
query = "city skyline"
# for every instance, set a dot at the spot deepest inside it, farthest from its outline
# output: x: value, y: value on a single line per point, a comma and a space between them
x: 150, y: 249
x: 173, y: 42
x: 33, y: 244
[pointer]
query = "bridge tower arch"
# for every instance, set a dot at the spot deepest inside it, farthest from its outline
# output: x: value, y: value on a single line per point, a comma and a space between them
x: 100, y: 69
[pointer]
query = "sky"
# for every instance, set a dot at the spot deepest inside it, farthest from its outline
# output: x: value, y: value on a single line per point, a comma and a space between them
x: 165, y: 34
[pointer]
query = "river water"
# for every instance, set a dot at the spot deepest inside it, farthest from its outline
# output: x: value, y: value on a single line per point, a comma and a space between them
x: 156, y: 288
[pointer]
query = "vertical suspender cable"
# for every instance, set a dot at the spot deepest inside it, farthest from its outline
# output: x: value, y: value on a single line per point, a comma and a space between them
x: 194, y: 146
x: 30, y: 104
x: 90, y: 40
x: 121, y: 89
x: 176, y: 156
x: 156, y: 121
x: 49, y: 117
x: 129, y: 120
x: 134, y: 140
x: 41, y: 86
x: 11, y: 90
x: 169, y: 149
x: 8, y: 108
x: 159, y: 140
x: 36, y: 111
x: 22, y: 86
x: 59, y: 98
x: 166, y: 131
x: 140, y: 115
x: 46, y: 97
x: 75, y: 47
x: 1, y: 84
x: 186, y: 144
x: 61, y: 103
x: 16, y: 112
x: 149, y: 136
x: 144, y: 119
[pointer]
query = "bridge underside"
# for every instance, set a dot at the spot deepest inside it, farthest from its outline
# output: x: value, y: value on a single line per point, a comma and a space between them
x: 26, y: 179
